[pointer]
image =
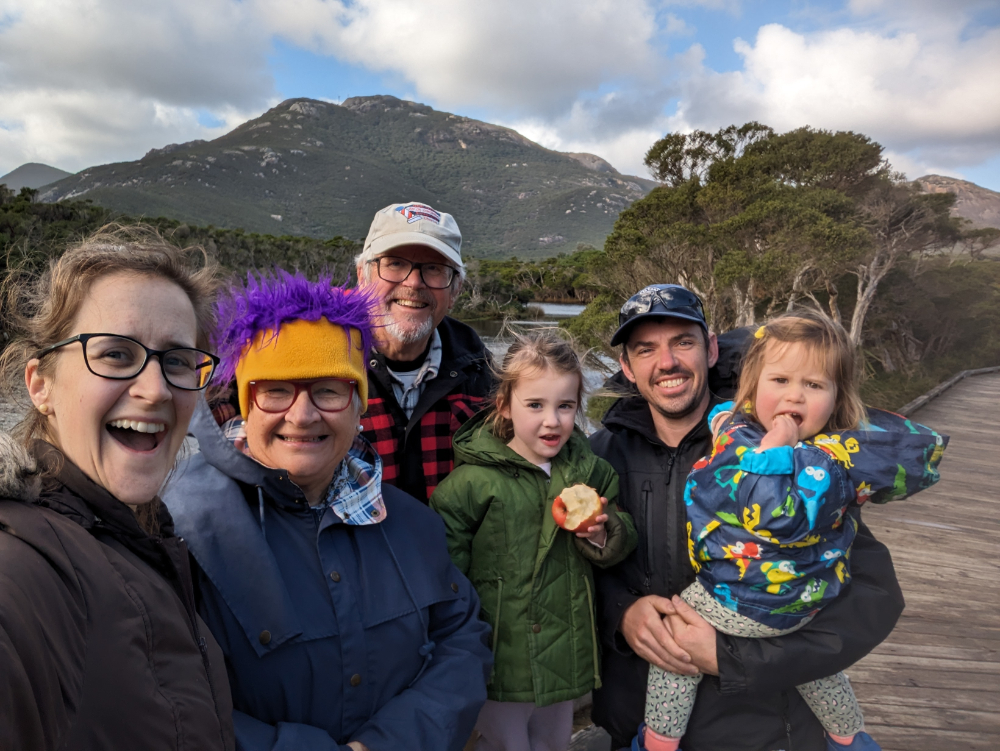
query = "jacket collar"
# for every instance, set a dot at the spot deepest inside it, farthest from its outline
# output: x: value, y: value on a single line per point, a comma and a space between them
x: 225, y: 537
x: 475, y: 443
x: 67, y: 490
x: 460, y: 347
x: 632, y: 413
x: 219, y: 451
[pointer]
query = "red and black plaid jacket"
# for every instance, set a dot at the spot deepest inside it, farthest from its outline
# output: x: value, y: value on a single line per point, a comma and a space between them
x: 416, y: 453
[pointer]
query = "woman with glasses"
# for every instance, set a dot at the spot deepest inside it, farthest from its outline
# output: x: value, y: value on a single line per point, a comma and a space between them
x: 343, y: 621
x: 102, y: 646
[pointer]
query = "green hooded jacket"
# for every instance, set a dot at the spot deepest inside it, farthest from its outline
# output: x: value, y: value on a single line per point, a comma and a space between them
x: 533, y: 578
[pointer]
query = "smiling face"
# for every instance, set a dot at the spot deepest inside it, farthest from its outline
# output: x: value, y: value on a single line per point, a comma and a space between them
x: 307, y: 443
x: 668, y: 361
x: 795, y: 381
x: 542, y: 410
x: 124, y: 435
x: 408, y: 311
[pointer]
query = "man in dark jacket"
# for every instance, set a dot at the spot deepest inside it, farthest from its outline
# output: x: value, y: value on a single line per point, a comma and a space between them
x: 748, y: 701
x: 429, y: 373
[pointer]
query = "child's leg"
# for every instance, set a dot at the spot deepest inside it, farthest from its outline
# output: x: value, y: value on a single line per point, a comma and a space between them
x: 551, y: 728
x: 669, y: 697
x: 503, y: 726
x: 669, y: 701
x: 833, y: 702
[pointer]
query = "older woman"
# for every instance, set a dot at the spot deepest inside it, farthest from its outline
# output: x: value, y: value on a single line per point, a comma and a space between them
x: 343, y: 621
x: 100, y: 642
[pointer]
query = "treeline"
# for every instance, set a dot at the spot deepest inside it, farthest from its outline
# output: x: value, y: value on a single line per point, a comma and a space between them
x: 32, y: 233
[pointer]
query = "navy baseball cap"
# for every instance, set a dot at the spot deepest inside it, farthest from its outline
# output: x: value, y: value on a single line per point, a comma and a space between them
x: 659, y: 301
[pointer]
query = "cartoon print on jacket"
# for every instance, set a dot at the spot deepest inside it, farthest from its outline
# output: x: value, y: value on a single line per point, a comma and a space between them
x: 813, y: 483
x: 770, y: 531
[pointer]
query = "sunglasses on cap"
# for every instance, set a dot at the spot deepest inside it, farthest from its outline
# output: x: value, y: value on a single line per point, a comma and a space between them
x: 666, y: 300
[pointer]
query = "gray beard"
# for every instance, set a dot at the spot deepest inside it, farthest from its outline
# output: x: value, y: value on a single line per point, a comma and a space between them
x: 392, y: 329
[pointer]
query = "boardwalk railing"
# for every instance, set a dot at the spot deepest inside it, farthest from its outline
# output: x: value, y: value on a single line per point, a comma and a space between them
x: 935, y: 392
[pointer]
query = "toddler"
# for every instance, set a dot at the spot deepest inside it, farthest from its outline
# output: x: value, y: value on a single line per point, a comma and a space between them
x: 772, y: 513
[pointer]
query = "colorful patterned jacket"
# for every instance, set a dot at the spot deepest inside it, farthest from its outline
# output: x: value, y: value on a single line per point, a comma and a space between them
x: 417, y: 453
x: 770, y: 533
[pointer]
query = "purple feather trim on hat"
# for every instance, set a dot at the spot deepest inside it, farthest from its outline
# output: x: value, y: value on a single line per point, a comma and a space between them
x: 270, y: 299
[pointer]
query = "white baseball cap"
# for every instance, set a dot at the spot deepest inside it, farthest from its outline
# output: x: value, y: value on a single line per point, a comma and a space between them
x: 413, y: 224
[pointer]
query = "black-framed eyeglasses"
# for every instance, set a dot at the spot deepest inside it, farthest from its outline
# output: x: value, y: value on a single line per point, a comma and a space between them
x: 326, y: 394
x: 121, y: 357
x: 672, y: 297
x: 434, y: 275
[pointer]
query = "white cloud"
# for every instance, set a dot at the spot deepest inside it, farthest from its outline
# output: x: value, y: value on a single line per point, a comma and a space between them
x: 515, y: 56
x: 674, y: 26
x: 624, y: 149
x: 89, y: 81
x: 933, y: 100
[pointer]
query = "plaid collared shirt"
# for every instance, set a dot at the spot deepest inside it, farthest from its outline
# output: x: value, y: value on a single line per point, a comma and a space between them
x: 355, y: 495
x: 408, y: 387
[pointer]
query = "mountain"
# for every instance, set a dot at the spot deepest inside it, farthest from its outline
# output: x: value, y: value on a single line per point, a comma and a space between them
x: 32, y: 175
x: 314, y: 168
x: 980, y: 206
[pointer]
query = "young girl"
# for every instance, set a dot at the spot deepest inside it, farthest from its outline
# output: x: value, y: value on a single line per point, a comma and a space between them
x: 533, y: 578
x: 771, y: 513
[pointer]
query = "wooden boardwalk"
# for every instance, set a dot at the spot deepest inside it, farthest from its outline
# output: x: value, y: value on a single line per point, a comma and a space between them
x: 934, y: 684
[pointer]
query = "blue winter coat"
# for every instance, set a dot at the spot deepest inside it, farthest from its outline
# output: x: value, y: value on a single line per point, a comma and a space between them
x: 331, y: 633
x: 770, y: 532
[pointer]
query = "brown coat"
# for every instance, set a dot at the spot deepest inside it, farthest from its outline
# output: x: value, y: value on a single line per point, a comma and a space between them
x: 100, y: 646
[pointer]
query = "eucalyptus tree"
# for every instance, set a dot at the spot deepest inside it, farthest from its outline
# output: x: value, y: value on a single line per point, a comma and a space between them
x: 756, y: 221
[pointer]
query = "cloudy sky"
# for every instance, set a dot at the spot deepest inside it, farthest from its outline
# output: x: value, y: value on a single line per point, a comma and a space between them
x: 86, y: 82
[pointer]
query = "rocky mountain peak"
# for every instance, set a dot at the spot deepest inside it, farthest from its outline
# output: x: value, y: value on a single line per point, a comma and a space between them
x: 980, y: 206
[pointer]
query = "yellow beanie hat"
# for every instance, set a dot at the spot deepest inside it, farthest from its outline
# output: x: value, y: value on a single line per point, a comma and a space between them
x: 302, y: 350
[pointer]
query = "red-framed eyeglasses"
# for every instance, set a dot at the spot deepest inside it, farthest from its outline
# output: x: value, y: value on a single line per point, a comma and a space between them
x: 326, y: 394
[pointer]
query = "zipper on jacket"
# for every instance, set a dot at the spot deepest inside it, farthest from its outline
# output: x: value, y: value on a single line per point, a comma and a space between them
x: 593, y: 633
x: 496, y: 628
x: 647, y: 494
x: 677, y: 550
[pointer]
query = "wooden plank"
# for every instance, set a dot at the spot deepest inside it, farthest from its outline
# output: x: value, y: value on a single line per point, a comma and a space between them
x: 916, y: 696
x: 918, y: 717
x: 943, y: 680
x: 947, y: 652
x: 898, y: 738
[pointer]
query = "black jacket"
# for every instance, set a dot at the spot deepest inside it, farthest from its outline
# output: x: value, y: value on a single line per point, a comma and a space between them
x: 752, y: 705
x: 416, y: 452
x: 101, y: 645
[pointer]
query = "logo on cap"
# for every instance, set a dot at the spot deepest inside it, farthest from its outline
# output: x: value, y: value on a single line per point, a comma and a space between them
x: 416, y: 211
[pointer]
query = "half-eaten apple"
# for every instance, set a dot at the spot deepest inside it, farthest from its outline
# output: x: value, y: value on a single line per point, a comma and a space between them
x: 577, y: 507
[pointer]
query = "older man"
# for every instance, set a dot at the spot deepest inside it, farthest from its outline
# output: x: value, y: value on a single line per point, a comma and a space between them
x: 749, y: 701
x: 429, y: 373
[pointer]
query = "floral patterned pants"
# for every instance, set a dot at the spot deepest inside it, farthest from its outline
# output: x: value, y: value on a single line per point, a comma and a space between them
x: 670, y: 697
